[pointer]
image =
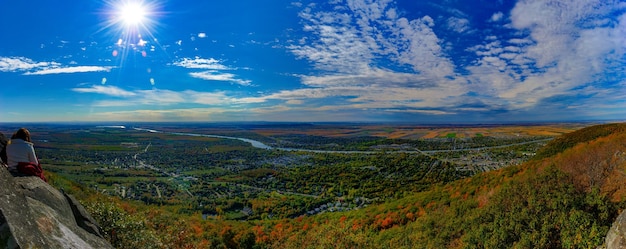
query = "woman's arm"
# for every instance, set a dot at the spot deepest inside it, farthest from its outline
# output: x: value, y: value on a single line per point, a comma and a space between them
x: 31, y: 155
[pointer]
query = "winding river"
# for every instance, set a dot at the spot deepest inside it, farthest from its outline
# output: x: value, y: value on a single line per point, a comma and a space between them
x: 260, y: 145
x: 254, y: 143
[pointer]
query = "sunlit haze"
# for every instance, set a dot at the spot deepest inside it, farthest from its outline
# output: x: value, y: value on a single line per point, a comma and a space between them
x: 341, y: 60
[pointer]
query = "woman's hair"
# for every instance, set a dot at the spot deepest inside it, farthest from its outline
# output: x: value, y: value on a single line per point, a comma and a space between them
x: 23, y: 134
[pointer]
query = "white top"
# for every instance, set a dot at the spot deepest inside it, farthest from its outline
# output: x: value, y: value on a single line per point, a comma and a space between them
x: 19, y: 150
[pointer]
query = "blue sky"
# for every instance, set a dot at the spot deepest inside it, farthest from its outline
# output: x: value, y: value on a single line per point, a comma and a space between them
x: 462, y: 61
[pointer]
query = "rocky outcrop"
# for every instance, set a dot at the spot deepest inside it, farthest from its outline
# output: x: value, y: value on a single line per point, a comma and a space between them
x: 33, y: 214
x: 616, y: 237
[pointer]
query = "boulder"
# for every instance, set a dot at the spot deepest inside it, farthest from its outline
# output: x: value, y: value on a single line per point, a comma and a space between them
x: 33, y: 214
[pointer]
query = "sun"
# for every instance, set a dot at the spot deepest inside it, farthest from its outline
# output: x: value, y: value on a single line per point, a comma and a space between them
x: 131, y: 21
x: 132, y: 14
x: 131, y: 24
x: 136, y: 16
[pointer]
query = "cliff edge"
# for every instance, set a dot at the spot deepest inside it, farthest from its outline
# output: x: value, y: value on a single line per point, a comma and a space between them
x: 34, y: 214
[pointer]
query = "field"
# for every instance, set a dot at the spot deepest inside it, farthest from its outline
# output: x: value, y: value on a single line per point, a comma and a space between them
x: 425, y: 132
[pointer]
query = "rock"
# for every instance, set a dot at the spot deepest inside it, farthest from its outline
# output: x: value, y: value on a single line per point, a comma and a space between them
x: 616, y: 237
x: 83, y: 218
x: 33, y: 214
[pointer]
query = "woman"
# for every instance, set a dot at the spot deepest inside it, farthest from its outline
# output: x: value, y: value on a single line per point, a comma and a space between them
x: 21, y: 158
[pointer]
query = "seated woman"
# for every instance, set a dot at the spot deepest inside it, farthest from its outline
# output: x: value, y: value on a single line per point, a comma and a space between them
x: 21, y: 158
x: 3, y: 151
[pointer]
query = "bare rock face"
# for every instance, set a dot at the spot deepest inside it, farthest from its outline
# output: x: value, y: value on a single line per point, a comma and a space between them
x: 616, y: 237
x: 33, y: 214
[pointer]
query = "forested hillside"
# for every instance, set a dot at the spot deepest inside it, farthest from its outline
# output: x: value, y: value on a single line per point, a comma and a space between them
x: 587, y: 134
x: 567, y: 197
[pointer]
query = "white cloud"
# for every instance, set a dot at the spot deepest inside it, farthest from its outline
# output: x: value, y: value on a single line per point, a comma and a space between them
x: 30, y: 67
x: 563, y: 51
x: 371, y: 78
x: 294, y: 102
x: 430, y: 112
x: 77, y: 69
x: 200, y: 63
x: 512, y: 49
x: 508, y: 56
x: 496, y: 16
x: 206, y: 98
x: 213, y: 73
x: 354, y: 38
x: 161, y: 97
x: 188, y: 114
x: 371, y: 97
x: 155, y: 97
x: 459, y: 25
x: 106, y: 90
x: 218, y: 76
x: 16, y: 64
x: 567, y: 55
x: 495, y: 62
x: 348, y: 44
x: 519, y: 41
x: 218, y: 114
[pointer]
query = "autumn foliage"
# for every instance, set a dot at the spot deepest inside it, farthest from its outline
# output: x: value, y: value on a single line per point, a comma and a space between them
x: 566, y: 198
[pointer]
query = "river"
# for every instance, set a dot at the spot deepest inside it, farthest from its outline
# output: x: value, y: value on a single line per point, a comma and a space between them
x: 254, y: 143
x: 260, y: 145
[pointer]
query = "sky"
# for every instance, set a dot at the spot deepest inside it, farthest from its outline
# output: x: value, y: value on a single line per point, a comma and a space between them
x: 427, y: 61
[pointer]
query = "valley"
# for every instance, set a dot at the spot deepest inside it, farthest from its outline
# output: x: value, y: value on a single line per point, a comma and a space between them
x: 260, y: 171
x: 340, y: 185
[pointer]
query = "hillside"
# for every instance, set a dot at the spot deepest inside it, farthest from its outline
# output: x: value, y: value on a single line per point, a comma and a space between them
x: 583, y: 135
x: 567, y: 197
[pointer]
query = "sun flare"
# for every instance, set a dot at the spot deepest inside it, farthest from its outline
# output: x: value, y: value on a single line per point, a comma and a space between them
x: 132, y: 14
x: 133, y: 19
x: 131, y: 24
